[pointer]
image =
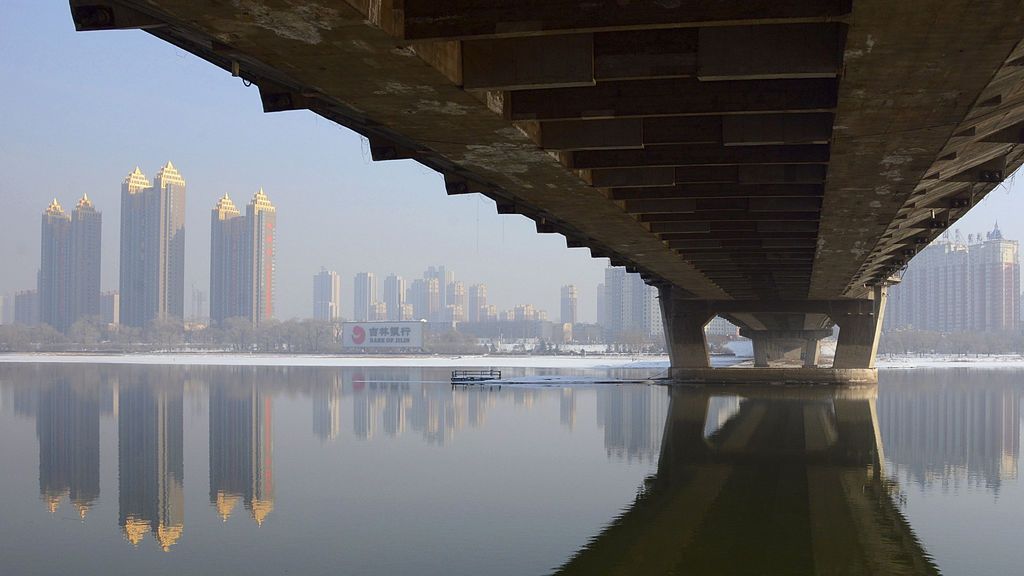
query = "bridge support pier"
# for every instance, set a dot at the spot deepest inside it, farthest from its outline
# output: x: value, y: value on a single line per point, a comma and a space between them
x: 794, y: 345
x: 859, y: 321
x: 684, y: 322
x: 859, y: 334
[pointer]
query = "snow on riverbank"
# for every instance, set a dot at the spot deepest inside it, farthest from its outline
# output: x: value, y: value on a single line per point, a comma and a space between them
x: 597, y: 362
x: 1007, y: 361
x: 193, y: 359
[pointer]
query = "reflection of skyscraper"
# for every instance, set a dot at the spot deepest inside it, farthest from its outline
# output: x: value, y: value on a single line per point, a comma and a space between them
x: 633, y: 418
x: 384, y: 401
x: 567, y: 408
x: 150, y: 461
x: 241, y: 449
x: 68, y: 428
x: 327, y: 408
x: 942, y: 428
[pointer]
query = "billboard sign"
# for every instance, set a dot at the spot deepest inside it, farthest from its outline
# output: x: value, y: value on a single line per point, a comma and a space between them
x: 382, y: 335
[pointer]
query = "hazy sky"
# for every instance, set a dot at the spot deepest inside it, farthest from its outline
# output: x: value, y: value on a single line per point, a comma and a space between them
x: 79, y: 111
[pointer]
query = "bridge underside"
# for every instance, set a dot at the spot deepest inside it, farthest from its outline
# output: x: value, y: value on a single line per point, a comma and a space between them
x: 746, y: 152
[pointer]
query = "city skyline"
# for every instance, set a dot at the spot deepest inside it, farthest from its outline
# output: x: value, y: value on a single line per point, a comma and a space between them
x: 319, y: 172
x: 321, y: 180
x: 958, y: 285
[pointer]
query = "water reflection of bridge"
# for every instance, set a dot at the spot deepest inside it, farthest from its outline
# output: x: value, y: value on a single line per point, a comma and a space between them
x: 790, y: 483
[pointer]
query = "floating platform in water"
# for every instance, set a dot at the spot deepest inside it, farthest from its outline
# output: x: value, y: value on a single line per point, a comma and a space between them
x: 474, y: 376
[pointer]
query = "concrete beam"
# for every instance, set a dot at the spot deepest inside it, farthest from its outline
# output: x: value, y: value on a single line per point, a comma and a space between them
x: 524, y: 63
x: 94, y: 15
x: 710, y: 191
x: 762, y: 52
x: 741, y: 206
x: 724, y: 235
x: 731, y: 228
x: 671, y: 97
x: 382, y: 149
x: 461, y: 19
x: 742, y: 174
x: 743, y: 244
x: 730, y: 216
x: 645, y: 54
x: 752, y: 174
x: 276, y: 98
x: 832, y: 308
x: 699, y: 155
x: 769, y: 129
x: 456, y: 185
x: 592, y: 135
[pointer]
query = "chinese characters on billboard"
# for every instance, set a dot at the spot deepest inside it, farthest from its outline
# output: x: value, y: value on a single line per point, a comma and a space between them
x: 383, y: 335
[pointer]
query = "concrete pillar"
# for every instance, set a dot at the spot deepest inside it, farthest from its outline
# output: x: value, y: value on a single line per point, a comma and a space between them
x: 684, y: 322
x: 760, y: 344
x: 858, y: 335
x: 791, y: 345
x: 812, y: 352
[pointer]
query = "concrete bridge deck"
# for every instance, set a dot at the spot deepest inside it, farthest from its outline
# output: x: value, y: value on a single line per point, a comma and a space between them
x: 743, y: 152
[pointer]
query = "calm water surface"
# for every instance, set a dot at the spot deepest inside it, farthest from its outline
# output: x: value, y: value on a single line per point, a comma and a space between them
x: 173, y: 470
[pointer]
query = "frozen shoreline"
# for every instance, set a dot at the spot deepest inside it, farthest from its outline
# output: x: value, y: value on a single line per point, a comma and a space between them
x: 194, y: 359
x: 1002, y: 361
x: 644, y: 362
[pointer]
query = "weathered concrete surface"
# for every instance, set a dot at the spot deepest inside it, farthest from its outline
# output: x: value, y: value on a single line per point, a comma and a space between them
x: 747, y: 151
x: 923, y: 85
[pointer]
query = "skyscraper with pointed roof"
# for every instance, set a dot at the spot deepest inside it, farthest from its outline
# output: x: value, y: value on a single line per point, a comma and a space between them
x: 227, y: 254
x: 86, y: 243
x: 170, y: 189
x: 54, y: 267
x: 261, y: 236
x: 242, y: 254
x: 152, y: 283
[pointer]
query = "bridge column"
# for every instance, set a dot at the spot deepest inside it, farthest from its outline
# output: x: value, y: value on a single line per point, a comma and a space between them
x: 684, y: 322
x: 794, y: 345
x: 859, y: 333
x: 812, y: 352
